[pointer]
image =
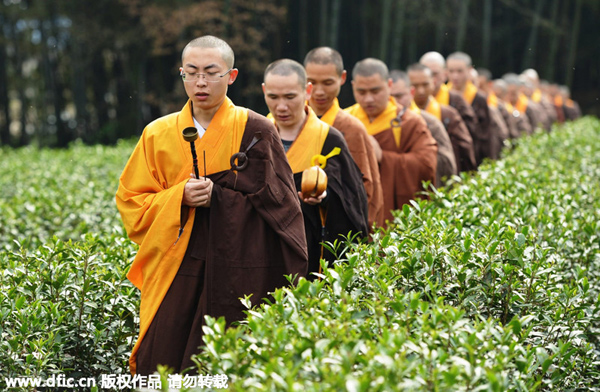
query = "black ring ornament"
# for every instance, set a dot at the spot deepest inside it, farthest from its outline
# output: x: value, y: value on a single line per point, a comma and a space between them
x: 241, y: 157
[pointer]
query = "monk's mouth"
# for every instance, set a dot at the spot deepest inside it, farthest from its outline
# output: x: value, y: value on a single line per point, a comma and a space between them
x: 201, y: 96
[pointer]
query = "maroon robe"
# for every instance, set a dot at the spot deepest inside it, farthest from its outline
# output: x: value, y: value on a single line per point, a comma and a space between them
x: 243, y: 244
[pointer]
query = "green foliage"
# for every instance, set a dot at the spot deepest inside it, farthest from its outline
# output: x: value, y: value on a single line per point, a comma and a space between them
x: 493, y: 285
x: 65, y: 304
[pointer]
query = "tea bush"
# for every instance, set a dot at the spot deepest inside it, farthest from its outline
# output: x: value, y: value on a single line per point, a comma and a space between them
x: 65, y: 304
x: 492, y: 285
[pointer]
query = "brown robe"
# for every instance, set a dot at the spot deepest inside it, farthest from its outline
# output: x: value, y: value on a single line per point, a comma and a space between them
x: 539, y: 114
x: 466, y: 113
x: 499, y: 132
x: 362, y: 152
x: 509, y: 120
x: 243, y: 244
x: 482, y: 139
x: 446, y: 162
x: 462, y: 143
x: 550, y: 112
x: 404, y: 168
x: 346, y: 203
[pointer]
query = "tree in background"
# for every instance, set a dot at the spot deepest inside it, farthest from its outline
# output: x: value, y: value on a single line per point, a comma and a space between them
x: 100, y: 70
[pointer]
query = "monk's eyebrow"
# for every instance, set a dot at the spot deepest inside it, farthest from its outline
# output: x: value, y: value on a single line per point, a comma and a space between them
x: 206, y: 68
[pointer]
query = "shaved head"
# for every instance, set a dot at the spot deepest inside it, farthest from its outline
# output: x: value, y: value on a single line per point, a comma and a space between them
x: 418, y: 67
x: 512, y: 79
x: 209, y: 41
x: 325, y: 55
x: 433, y: 57
x: 369, y: 67
x: 531, y: 74
x: 397, y: 75
x: 286, y: 67
x: 461, y: 56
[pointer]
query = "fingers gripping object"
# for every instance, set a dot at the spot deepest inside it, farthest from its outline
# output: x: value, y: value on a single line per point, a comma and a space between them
x: 314, y: 179
x: 190, y: 134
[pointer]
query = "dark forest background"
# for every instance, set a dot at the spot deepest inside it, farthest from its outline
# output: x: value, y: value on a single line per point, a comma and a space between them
x: 101, y: 70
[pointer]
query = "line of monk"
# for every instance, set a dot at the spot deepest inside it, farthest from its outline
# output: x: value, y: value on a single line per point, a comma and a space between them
x: 246, y: 223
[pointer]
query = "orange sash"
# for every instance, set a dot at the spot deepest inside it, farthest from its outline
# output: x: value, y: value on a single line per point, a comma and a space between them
x: 537, y: 95
x: 414, y: 107
x: 331, y: 113
x: 558, y: 100
x: 308, y: 143
x: 509, y: 107
x: 434, y: 107
x: 492, y: 100
x: 443, y: 95
x: 468, y: 93
x: 522, y: 103
x: 382, y: 122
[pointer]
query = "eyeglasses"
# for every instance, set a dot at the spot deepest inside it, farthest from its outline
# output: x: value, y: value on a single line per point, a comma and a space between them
x: 209, y: 76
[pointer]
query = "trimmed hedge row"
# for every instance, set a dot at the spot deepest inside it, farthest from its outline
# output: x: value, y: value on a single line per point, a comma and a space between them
x: 492, y: 285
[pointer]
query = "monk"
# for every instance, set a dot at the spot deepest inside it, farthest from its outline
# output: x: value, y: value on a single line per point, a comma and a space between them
x: 442, y: 93
x: 540, y: 97
x: 498, y: 126
x: 403, y: 93
x: 459, y: 66
x: 206, y: 240
x: 518, y: 124
x: 325, y: 71
x: 571, y: 108
x: 527, y: 89
x: 405, y: 149
x: 421, y: 80
x: 342, y: 208
x: 520, y: 102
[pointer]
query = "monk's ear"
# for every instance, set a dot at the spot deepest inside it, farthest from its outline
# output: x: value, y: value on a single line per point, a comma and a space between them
x: 263, y: 88
x: 309, y: 88
x: 412, y: 90
x: 390, y: 82
x: 232, y: 76
x: 343, y: 77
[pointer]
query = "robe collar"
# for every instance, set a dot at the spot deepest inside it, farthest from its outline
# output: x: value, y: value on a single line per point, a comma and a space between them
x: 308, y: 143
x: 434, y: 107
x: 221, y: 140
x: 443, y: 95
x: 522, y: 103
x: 468, y: 93
x: 492, y: 100
x: 331, y: 113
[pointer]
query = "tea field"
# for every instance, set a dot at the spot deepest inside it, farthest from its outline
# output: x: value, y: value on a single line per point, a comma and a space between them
x: 492, y: 285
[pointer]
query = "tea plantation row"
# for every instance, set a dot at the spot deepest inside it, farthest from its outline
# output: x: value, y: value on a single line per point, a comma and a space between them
x: 494, y: 284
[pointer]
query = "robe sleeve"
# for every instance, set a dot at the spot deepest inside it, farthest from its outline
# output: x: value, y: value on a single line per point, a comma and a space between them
x: 142, y: 200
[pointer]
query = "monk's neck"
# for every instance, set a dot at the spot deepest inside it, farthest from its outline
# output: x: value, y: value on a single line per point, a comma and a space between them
x: 423, y: 106
x: 459, y: 89
x: 205, y: 116
x: 320, y: 113
x: 291, y: 133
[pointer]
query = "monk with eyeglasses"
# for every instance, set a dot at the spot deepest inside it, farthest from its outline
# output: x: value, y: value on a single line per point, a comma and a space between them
x: 206, y: 242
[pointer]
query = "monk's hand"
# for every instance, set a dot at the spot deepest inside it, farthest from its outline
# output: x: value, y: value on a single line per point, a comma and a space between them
x: 376, y: 148
x: 197, y: 192
x: 313, y: 200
